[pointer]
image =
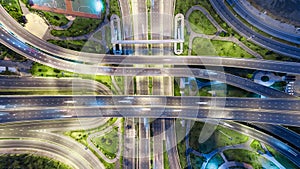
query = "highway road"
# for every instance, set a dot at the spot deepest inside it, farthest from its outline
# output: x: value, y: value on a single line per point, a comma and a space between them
x: 130, y: 144
x: 67, y: 147
x: 273, y: 111
x: 260, y: 24
x: 38, y: 135
x: 276, y: 66
x: 62, y: 154
x: 281, y: 132
x: 279, y: 146
x: 285, y: 67
x: 157, y: 127
x: 122, y: 71
x: 11, y: 102
x: 64, y: 84
x: 244, y: 30
x: 171, y: 144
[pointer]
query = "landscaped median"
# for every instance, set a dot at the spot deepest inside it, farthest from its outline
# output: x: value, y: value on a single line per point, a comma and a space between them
x: 200, y: 24
x: 46, y: 71
x: 107, y: 142
x: 203, y: 46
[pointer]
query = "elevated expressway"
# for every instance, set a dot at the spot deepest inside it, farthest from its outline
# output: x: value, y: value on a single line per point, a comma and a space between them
x: 23, y: 35
x: 276, y: 116
x: 242, y: 29
x: 18, y: 46
x: 266, y: 27
x: 37, y: 138
x: 63, y: 84
x: 274, y: 111
x: 42, y: 129
x: 242, y: 83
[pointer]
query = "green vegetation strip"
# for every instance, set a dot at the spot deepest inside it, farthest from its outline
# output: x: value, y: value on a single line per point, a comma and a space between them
x: 80, y: 26
x: 182, y: 6
x: 220, y: 138
x: 241, y: 155
x: 166, y: 158
x: 14, y: 9
x: 16, y: 161
x: 282, y: 159
x: 114, y: 8
x: 108, y: 143
x: 221, y: 48
x: 196, y: 161
x: 200, y: 24
x: 46, y: 71
x: 80, y: 45
x: 82, y: 135
x: 224, y: 90
x: 257, y: 146
x: 54, y: 18
x: 5, y: 52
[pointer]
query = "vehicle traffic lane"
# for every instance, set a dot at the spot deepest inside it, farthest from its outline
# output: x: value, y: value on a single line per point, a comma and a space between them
x: 281, y: 132
x: 62, y: 155
x: 262, y: 116
x: 279, y: 146
x: 8, y: 103
x: 240, y: 27
x: 260, y: 24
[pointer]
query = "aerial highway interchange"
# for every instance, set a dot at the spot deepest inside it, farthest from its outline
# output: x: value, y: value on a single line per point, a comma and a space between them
x: 277, y: 108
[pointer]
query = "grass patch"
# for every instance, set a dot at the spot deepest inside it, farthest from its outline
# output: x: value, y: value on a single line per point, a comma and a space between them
x: 279, y: 85
x: 80, y: 26
x: 185, y: 43
x: 14, y: 9
x: 221, y: 48
x: 55, y: 18
x: 166, y: 159
x: 29, y: 161
x: 80, y: 45
x: 176, y: 89
x: 215, y: 162
x: 108, y: 37
x: 81, y: 137
x: 120, y: 82
x: 241, y: 155
x: 200, y: 24
x: 220, y: 138
x: 181, y: 152
x: 182, y: 6
x: 257, y: 146
x: 108, y: 144
x: 98, y: 35
x: 46, y: 71
x: 181, y: 148
x: 281, y: 158
x: 224, y: 90
x: 5, y: 52
x: 114, y: 8
x: 203, y: 46
x: 196, y: 161
x: 224, y: 48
